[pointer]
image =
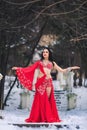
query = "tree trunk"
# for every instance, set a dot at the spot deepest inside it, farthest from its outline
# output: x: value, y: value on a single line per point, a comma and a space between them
x: 3, y: 65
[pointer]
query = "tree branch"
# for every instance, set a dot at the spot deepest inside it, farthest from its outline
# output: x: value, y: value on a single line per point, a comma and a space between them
x: 22, y: 3
x: 80, y: 38
x: 62, y: 13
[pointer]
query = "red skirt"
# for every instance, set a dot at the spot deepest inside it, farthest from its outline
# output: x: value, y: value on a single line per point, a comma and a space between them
x: 44, y: 109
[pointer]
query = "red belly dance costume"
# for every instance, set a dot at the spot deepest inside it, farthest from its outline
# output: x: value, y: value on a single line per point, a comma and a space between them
x: 43, y: 108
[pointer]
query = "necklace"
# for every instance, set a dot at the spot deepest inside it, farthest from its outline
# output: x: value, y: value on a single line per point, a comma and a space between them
x: 45, y: 62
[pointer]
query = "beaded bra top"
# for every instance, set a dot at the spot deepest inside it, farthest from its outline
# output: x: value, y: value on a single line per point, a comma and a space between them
x: 49, y: 65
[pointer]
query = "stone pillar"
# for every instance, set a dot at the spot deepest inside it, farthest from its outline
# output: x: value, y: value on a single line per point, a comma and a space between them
x: 62, y: 81
x: 72, y: 97
x: 69, y: 81
x: 24, y: 100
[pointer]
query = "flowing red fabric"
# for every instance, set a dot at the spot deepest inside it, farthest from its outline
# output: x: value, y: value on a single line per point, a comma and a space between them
x: 43, y: 108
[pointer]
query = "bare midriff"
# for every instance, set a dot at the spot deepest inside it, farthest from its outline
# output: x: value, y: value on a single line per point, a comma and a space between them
x: 47, y: 72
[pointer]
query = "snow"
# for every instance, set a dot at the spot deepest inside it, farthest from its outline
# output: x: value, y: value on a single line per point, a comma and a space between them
x: 71, y: 120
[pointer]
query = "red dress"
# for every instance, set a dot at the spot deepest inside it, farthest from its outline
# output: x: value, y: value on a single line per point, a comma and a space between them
x: 43, y: 108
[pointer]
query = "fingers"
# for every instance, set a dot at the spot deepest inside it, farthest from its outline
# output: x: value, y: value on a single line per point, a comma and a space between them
x: 78, y: 67
x: 14, y: 68
x: 1, y: 76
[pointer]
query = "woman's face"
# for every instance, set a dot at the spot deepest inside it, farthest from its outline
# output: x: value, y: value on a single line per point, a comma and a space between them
x: 46, y: 54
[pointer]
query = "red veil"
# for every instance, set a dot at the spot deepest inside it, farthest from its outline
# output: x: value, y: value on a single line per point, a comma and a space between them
x: 25, y: 75
x: 43, y: 108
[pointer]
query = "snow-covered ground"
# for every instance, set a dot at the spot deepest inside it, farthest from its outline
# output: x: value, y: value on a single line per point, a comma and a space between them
x: 73, y: 119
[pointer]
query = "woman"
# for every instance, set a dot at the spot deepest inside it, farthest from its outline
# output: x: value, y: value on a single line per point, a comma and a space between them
x: 44, y: 105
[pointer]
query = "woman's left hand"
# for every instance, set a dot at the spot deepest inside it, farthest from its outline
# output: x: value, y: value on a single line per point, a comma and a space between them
x: 1, y: 76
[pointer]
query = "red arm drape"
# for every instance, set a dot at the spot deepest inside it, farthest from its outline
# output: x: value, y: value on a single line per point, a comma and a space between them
x: 25, y: 75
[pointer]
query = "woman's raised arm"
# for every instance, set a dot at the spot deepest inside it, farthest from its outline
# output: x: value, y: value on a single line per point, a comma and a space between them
x: 66, y: 69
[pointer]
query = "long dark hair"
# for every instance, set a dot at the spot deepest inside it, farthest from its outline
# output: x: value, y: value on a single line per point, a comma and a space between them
x: 50, y: 54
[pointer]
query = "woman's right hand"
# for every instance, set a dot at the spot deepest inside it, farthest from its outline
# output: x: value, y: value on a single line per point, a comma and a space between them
x: 1, y: 76
x: 14, y: 68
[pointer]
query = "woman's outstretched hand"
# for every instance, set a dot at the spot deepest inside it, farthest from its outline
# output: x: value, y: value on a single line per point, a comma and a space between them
x: 14, y: 68
x: 72, y: 68
x: 75, y: 67
x: 1, y: 76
